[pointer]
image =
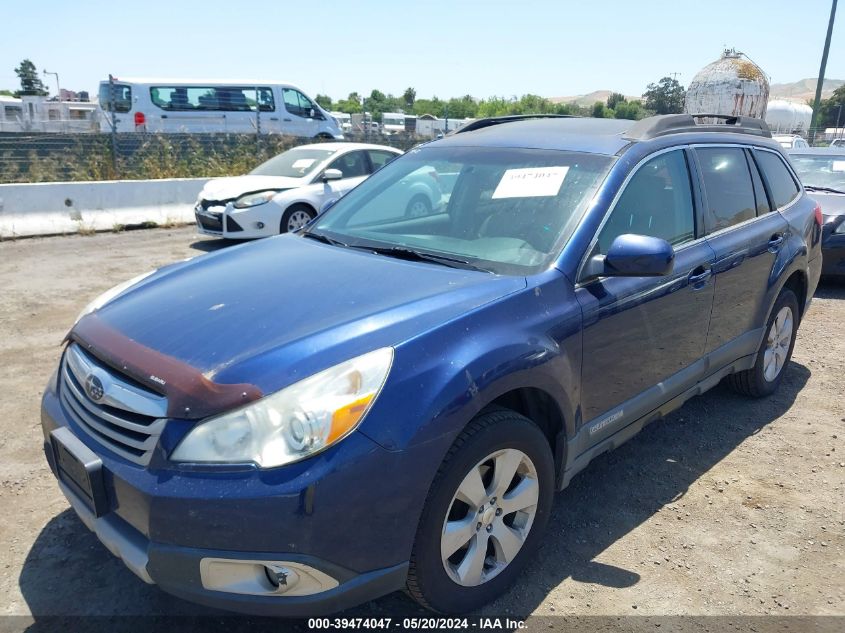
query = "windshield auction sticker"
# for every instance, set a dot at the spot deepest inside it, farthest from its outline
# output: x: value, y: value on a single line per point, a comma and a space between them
x: 303, y: 163
x: 530, y: 182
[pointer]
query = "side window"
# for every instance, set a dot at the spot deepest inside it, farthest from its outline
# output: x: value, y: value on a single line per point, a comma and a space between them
x: 727, y: 182
x: 351, y: 164
x: 781, y: 184
x: 380, y: 158
x: 759, y: 190
x: 297, y: 103
x: 656, y: 202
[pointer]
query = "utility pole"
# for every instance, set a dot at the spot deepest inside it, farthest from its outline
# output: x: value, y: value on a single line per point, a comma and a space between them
x: 818, y: 98
x: 58, y: 87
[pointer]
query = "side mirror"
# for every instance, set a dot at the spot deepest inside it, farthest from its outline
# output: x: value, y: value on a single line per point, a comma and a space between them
x: 634, y: 256
x: 332, y: 174
x: 311, y: 113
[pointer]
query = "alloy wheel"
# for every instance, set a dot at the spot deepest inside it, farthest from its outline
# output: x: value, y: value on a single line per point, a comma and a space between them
x: 778, y: 341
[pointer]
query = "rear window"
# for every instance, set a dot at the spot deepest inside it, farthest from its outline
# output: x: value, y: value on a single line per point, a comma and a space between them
x: 213, y: 98
x: 781, y: 184
x: 122, y: 97
x: 727, y: 181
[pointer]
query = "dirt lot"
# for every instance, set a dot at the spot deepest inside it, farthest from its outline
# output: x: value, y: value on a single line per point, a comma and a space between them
x: 729, y: 507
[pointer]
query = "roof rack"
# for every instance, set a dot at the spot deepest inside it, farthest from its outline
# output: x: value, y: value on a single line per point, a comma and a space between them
x: 479, y: 124
x: 662, y: 125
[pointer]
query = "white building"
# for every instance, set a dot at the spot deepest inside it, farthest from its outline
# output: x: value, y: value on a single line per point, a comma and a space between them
x: 39, y: 115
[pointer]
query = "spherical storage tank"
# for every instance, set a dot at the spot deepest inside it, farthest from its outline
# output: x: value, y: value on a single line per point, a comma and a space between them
x: 788, y: 117
x: 732, y: 85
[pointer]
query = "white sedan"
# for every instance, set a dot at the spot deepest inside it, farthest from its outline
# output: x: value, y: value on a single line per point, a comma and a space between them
x: 286, y: 192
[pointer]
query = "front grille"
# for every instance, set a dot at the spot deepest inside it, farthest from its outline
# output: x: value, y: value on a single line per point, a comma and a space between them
x: 127, y: 418
x: 210, y: 222
x: 207, y: 204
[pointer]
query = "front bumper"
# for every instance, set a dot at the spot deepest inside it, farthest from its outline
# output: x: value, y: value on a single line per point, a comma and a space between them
x: 318, y: 515
x: 227, y: 222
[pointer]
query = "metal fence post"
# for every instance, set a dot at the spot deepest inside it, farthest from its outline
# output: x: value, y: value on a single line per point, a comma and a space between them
x: 113, y: 127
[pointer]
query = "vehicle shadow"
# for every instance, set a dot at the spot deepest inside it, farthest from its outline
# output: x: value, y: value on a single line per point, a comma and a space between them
x: 67, y: 572
x: 213, y: 244
x: 831, y: 288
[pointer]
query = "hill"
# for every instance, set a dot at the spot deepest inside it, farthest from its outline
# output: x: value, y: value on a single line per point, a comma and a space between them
x: 803, y: 90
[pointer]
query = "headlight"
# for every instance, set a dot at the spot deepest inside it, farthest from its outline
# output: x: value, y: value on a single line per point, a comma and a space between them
x: 110, y: 294
x: 254, y: 199
x: 293, y: 423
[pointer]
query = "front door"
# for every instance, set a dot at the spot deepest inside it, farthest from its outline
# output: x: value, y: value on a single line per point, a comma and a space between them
x: 642, y: 336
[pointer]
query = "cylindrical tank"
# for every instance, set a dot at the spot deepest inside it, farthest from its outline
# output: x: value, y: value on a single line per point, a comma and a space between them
x: 732, y: 85
x: 788, y: 117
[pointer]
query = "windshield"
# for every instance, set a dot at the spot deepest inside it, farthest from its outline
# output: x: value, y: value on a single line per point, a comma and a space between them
x: 502, y: 209
x: 294, y: 163
x: 820, y: 171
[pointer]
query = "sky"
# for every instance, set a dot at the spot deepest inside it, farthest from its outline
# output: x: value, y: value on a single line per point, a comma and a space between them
x: 439, y: 47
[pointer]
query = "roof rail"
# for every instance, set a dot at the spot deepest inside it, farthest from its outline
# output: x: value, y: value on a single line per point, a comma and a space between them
x: 479, y: 124
x: 661, y: 125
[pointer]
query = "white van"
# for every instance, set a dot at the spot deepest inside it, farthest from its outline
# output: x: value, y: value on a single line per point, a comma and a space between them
x: 239, y: 107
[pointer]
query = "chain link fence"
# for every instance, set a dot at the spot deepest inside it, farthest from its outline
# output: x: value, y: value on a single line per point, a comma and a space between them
x: 139, y: 156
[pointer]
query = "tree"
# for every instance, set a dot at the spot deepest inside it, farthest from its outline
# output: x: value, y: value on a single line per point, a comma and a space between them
x: 324, y: 101
x: 350, y: 105
x: 829, y: 109
x: 409, y: 96
x: 630, y: 110
x: 600, y: 111
x: 665, y: 97
x: 615, y: 99
x: 31, y: 83
x: 6, y: 93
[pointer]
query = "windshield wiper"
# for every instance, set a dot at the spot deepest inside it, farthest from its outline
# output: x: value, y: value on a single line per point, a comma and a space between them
x: 402, y: 252
x: 325, y: 239
x: 825, y: 189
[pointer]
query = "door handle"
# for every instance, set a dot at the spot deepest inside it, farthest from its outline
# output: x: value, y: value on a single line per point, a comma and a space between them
x: 163, y: 116
x: 287, y: 120
x: 274, y: 118
x: 776, y: 242
x: 699, y: 276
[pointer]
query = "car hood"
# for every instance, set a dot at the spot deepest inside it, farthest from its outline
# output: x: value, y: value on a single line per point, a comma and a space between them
x: 269, y: 313
x: 235, y: 186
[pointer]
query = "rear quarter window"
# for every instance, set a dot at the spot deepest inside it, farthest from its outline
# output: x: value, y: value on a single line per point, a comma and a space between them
x: 781, y: 183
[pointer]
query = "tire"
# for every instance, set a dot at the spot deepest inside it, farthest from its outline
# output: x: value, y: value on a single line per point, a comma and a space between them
x: 775, y: 352
x: 294, y: 217
x: 418, y: 207
x: 498, y: 435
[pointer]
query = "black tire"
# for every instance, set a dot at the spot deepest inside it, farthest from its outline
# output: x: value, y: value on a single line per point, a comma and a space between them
x: 753, y: 382
x: 428, y: 582
x: 297, y: 210
x: 418, y: 207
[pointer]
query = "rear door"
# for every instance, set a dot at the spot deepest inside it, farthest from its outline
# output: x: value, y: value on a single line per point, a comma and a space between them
x: 643, y: 335
x: 746, y: 236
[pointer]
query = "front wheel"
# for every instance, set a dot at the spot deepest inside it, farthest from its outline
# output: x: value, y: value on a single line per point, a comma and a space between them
x: 485, y: 514
x: 775, y: 351
x: 419, y: 206
x: 295, y: 218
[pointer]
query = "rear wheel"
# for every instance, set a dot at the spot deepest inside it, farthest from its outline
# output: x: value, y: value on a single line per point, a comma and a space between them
x: 485, y: 513
x: 296, y: 217
x: 775, y: 351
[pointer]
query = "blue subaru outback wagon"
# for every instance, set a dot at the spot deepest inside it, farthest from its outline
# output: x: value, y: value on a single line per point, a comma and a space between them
x: 383, y: 401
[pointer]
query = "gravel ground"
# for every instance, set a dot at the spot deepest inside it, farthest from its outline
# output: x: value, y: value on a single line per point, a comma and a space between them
x: 729, y: 507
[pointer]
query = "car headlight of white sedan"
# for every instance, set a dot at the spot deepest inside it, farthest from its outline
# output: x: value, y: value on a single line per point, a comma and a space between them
x: 254, y: 199
x: 294, y: 423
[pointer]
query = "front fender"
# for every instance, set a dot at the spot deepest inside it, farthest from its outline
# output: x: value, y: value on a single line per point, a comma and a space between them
x: 443, y: 378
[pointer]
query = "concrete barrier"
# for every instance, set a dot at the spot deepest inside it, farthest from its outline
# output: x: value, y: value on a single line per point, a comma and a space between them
x: 72, y: 207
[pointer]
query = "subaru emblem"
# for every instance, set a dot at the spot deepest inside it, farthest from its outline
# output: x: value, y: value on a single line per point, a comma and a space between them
x: 94, y: 388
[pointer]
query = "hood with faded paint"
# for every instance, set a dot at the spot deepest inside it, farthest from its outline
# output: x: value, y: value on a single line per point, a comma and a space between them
x: 235, y: 186
x: 272, y: 312
x: 832, y: 204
